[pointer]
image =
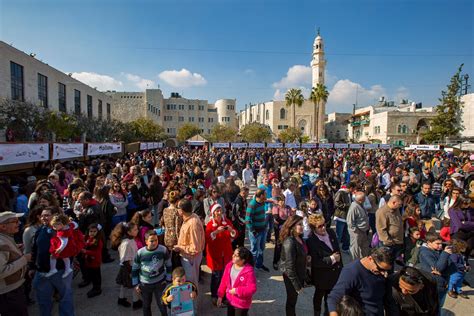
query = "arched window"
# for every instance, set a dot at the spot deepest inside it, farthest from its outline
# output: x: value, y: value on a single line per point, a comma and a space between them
x: 282, y: 114
x: 267, y: 115
x: 399, y: 129
x: 405, y: 129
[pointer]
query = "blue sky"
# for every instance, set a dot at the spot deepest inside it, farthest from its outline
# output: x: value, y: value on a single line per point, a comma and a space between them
x: 250, y: 50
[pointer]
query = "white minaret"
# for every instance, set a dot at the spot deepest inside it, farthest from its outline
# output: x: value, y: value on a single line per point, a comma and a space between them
x: 318, y: 65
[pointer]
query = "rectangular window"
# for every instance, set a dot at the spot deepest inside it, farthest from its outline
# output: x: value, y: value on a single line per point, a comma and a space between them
x: 109, y: 114
x: 99, y: 109
x: 191, y: 107
x: 17, y: 86
x: 62, y: 97
x: 168, y: 118
x: 181, y: 107
x: 190, y: 119
x: 201, y: 108
x: 77, y: 102
x: 201, y: 120
x: 181, y: 119
x: 210, y: 120
x: 89, y: 106
x: 43, y: 90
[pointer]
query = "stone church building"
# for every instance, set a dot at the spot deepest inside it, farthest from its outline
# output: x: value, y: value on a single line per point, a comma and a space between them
x: 277, y: 115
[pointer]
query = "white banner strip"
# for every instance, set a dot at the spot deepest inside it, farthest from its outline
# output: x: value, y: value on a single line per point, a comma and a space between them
x: 256, y: 145
x: 371, y: 146
x: 95, y: 149
x: 11, y: 154
x: 341, y: 145
x: 220, y: 145
x: 238, y: 145
x: 275, y: 145
x: 326, y: 145
x: 64, y: 151
x: 309, y: 145
x: 355, y: 146
x: 292, y: 145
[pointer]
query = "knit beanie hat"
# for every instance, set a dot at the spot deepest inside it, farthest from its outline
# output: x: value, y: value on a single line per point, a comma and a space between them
x: 214, y: 208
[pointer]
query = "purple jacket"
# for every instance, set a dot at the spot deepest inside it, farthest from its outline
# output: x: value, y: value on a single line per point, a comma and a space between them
x: 457, y: 217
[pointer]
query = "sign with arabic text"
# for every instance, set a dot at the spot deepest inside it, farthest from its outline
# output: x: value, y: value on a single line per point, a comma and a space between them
x: 67, y: 150
x: 95, y: 149
x: 11, y: 154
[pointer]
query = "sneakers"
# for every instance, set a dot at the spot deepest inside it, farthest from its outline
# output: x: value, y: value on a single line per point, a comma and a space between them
x: 263, y: 268
x: 51, y: 273
x: 93, y: 293
x: 137, y: 305
x: 123, y: 302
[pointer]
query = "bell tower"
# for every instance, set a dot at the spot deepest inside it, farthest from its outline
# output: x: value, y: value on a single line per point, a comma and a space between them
x: 318, y: 63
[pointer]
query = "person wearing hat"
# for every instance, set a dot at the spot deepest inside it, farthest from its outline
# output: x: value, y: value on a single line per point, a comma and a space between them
x: 219, y: 236
x: 12, y: 267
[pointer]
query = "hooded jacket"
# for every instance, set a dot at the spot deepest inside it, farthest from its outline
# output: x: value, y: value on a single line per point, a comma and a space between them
x: 245, y: 286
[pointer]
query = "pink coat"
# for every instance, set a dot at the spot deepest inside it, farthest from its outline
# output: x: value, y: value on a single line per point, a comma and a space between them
x: 245, y: 285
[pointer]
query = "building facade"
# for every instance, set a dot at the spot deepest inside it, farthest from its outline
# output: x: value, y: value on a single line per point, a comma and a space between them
x: 387, y: 123
x: 278, y: 116
x: 172, y: 112
x: 468, y: 115
x: 336, y: 129
x: 25, y: 78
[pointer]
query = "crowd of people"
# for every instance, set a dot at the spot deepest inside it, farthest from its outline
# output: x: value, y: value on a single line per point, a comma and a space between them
x: 170, y: 211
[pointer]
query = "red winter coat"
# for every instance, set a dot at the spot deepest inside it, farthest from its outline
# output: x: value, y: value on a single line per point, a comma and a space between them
x: 219, y: 250
x: 93, y: 253
x: 55, y: 243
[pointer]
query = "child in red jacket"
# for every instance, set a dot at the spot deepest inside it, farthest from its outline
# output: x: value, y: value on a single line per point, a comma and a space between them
x: 92, y: 253
x: 62, y: 244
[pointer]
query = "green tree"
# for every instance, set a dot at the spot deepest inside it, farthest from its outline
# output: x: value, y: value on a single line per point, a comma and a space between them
x: 447, y: 122
x: 223, y: 133
x: 256, y: 133
x: 63, y: 126
x: 187, y: 131
x: 319, y: 96
x: 290, y: 135
x: 293, y: 98
x: 27, y: 120
x: 146, y: 130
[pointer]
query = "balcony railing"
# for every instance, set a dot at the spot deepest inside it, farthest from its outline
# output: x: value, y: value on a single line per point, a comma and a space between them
x: 361, y: 122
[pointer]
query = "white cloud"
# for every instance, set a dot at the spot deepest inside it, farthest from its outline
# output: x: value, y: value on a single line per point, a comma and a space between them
x: 249, y: 71
x: 182, y: 78
x: 101, y: 82
x: 297, y: 76
x: 139, y: 82
x: 345, y: 92
x: 402, y: 93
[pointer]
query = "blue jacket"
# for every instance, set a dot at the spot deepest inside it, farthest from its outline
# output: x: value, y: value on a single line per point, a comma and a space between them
x: 427, y: 205
x: 40, y: 251
x: 439, y: 260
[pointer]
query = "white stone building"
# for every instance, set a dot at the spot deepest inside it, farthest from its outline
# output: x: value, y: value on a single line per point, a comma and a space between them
x: 388, y: 123
x: 25, y: 78
x: 468, y: 115
x: 278, y: 116
x: 336, y: 129
x: 172, y: 112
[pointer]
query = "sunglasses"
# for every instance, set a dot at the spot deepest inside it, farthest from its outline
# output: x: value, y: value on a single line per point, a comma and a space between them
x: 380, y: 269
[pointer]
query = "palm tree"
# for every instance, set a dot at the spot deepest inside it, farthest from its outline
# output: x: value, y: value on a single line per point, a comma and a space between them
x: 293, y: 98
x: 319, y: 96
